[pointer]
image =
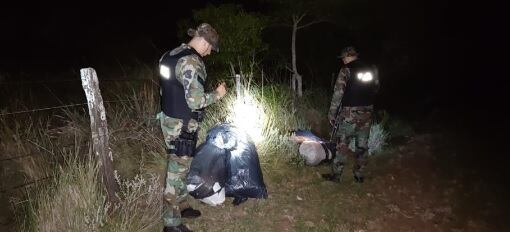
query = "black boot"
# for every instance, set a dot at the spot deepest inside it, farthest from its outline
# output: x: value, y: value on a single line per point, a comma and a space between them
x: 190, y: 213
x: 238, y: 200
x: 179, y: 228
x: 359, y: 179
x: 331, y: 177
x: 360, y: 165
x: 358, y: 174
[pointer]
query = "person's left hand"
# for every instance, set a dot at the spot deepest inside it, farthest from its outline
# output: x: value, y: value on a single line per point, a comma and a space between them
x: 221, y: 89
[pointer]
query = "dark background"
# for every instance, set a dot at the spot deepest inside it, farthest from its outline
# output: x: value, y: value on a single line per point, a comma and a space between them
x: 443, y: 65
x: 439, y: 62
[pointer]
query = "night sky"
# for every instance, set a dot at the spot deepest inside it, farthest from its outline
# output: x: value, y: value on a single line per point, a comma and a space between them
x: 439, y: 47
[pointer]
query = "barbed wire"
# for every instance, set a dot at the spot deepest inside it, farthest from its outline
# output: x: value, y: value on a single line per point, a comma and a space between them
x: 68, y: 80
x: 27, y: 184
x: 12, y: 157
x: 60, y: 107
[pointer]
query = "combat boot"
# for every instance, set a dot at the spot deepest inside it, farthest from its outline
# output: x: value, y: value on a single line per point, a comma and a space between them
x: 179, y: 228
x: 358, y: 174
x: 331, y: 177
x: 190, y: 213
x: 239, y: 199
x: 336, y: 171
x: 360, y: 165
x: 359, y: 179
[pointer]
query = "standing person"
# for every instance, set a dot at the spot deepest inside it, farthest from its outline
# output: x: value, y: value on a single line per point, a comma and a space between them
x: 183, y: 99
x: 351, y: 113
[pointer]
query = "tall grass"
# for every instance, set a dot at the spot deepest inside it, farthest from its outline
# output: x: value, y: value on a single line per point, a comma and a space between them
x: 76, y: 201
x: 266, y: 112
x: 73, y: 199
x: 58, y: 179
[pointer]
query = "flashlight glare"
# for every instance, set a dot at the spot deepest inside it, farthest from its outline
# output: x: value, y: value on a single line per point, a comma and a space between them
x: 248, y: 116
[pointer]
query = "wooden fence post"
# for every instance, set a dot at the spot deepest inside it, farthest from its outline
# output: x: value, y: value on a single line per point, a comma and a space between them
x: 99, y: 128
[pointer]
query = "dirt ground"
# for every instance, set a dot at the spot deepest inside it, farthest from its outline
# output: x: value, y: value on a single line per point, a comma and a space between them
x: 416, y: 186
x: 425, y: 182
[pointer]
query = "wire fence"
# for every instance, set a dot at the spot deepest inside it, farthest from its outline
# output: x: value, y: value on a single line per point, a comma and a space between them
x: 11, y: 83
x: 44, y: 179
x: 60, y: 107
x: 43, y: 82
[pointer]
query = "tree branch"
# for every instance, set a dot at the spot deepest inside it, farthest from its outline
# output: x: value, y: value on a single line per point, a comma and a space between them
x: 300, y: 18
x: 311, y: 23
x: 288, y: 68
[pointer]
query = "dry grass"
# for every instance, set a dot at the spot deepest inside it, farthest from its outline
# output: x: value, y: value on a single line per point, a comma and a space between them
x: 73, y: 202
x: 73, y: 199
x: 56, y: 146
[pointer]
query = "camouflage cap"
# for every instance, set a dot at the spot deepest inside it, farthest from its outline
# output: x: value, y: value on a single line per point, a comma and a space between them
x: 348, y: 51
x: 207, y: 32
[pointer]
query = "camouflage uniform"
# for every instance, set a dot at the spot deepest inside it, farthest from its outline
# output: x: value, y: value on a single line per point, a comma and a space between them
x: 187, y: 70
x: 354, y: 123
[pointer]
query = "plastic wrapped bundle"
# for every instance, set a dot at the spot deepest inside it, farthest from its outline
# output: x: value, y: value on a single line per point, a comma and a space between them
x: 227, y: 164
x: 305, y: 135
x: 313, y: 149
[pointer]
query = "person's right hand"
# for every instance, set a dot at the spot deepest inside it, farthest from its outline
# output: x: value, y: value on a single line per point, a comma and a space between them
x: 221, y: 89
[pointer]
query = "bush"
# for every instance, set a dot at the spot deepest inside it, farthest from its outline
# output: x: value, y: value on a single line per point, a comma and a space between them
x: 239, y: 31
x: 396, y: 127
x: 377, y: 139
x: 76, y: 202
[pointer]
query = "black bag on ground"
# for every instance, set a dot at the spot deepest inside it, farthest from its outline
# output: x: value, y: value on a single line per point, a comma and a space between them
x: 245, y: 178
x: 207, y: 174
x: 241, y: 168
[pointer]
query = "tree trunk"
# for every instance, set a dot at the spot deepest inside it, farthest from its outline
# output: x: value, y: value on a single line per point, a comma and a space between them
x: 99, y: 128
x: 296, y: 77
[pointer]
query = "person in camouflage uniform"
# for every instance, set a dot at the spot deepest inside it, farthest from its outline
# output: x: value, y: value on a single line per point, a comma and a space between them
x: 183, y: 77
x: 351, y: 113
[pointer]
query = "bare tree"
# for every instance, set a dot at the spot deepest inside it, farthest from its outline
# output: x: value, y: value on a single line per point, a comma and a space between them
x: 298, y: 14
x: 297, y: 79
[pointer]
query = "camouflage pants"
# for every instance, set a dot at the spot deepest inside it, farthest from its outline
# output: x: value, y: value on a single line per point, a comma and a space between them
x: 175, y: 193
x: 354, y: 125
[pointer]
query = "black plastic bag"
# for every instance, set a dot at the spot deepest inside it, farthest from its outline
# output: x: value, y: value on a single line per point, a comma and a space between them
x: 241, y: 167
x: 245, y: 179
x: 207, y: 174
x: 244, y: 175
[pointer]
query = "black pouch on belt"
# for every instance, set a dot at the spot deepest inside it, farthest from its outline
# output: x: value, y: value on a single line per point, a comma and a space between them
x: 185, y: 144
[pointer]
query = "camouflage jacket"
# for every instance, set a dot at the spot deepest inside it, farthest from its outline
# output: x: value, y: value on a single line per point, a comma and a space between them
x: 340, y: 86
x: 338, y: 92
x: 188, y: 70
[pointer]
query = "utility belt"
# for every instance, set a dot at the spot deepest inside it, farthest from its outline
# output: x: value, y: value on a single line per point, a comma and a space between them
x: 186, y: 143
x: 198, y: 115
